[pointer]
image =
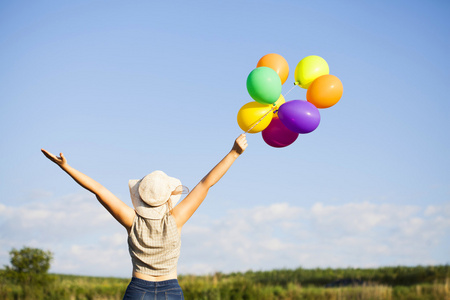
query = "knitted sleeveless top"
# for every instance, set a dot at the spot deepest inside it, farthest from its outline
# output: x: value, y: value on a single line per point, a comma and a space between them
x: 154, y: 245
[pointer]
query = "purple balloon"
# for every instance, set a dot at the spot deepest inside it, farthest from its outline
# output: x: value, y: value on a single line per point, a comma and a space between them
x: 299, y: 116
x: 277, y: 135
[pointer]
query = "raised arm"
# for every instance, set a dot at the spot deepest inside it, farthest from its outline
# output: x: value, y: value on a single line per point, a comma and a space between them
x: 186, y: 208
x: 118, y: 209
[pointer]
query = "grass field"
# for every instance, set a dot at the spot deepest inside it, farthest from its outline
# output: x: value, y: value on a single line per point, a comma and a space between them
x: 270, y: 285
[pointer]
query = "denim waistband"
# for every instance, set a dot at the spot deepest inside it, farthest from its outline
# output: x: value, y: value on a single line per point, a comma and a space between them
x: 147, y: 283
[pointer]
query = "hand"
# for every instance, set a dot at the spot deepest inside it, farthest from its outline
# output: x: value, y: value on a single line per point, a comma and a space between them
x: 60, y: 161
x: 240, y: 144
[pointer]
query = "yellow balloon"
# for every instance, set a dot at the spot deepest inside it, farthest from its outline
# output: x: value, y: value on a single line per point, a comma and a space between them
x: 310, y: 68
x: 278, y: 103
x: 251, y: 113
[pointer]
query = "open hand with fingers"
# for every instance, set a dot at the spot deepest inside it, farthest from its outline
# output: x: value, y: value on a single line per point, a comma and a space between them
x: 60, y: 161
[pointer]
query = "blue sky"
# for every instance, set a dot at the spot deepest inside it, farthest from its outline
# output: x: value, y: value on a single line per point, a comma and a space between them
x: 126, y: 88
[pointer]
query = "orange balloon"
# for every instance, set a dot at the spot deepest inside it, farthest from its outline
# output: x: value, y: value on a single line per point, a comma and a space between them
x: 277, y: 63
x: 325, y: 91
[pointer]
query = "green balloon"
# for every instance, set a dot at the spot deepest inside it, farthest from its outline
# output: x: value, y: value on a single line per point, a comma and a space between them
x: 264, y: 85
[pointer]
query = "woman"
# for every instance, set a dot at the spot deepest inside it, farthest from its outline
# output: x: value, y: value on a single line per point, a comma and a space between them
x: 154, y: 225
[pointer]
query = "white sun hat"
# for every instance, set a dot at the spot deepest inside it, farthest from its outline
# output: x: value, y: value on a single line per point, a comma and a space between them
x: 150, y: 194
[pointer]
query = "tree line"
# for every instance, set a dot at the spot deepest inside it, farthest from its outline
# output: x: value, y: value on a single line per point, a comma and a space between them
x: 28, y: 278
x: 398, y: 275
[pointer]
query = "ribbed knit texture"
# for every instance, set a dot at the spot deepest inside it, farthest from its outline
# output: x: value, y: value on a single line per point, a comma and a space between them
x: 154, y: 245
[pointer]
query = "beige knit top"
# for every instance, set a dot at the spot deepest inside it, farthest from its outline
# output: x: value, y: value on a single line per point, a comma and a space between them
x: 154, y: 245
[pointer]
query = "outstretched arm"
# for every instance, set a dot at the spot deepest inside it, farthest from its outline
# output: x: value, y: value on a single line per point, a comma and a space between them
x: 118, y: 209
x: 186, y: 208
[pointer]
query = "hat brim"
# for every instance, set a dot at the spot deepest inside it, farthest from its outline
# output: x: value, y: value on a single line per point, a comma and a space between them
x: 145, y: 210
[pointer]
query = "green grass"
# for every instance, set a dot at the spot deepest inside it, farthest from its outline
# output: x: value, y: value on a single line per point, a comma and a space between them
x: 67, y: 287
x: 402, y: 283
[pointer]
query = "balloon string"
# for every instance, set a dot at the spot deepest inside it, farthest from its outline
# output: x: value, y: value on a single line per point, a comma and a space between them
x: 289, y: 90
x: 257, y: 122
x: 272, y: 109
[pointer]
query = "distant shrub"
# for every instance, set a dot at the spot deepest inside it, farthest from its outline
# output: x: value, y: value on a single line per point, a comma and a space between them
x: 29, y: 267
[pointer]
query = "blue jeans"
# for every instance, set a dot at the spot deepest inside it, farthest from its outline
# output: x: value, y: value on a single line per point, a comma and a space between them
x: 154, y: 290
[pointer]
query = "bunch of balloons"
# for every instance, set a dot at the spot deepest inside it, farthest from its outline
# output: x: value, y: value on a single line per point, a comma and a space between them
x: 279, y: 121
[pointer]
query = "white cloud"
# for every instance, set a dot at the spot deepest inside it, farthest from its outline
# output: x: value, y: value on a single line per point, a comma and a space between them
x: 87, y: 240
x: 83, y: 236
x: 282, y: 235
